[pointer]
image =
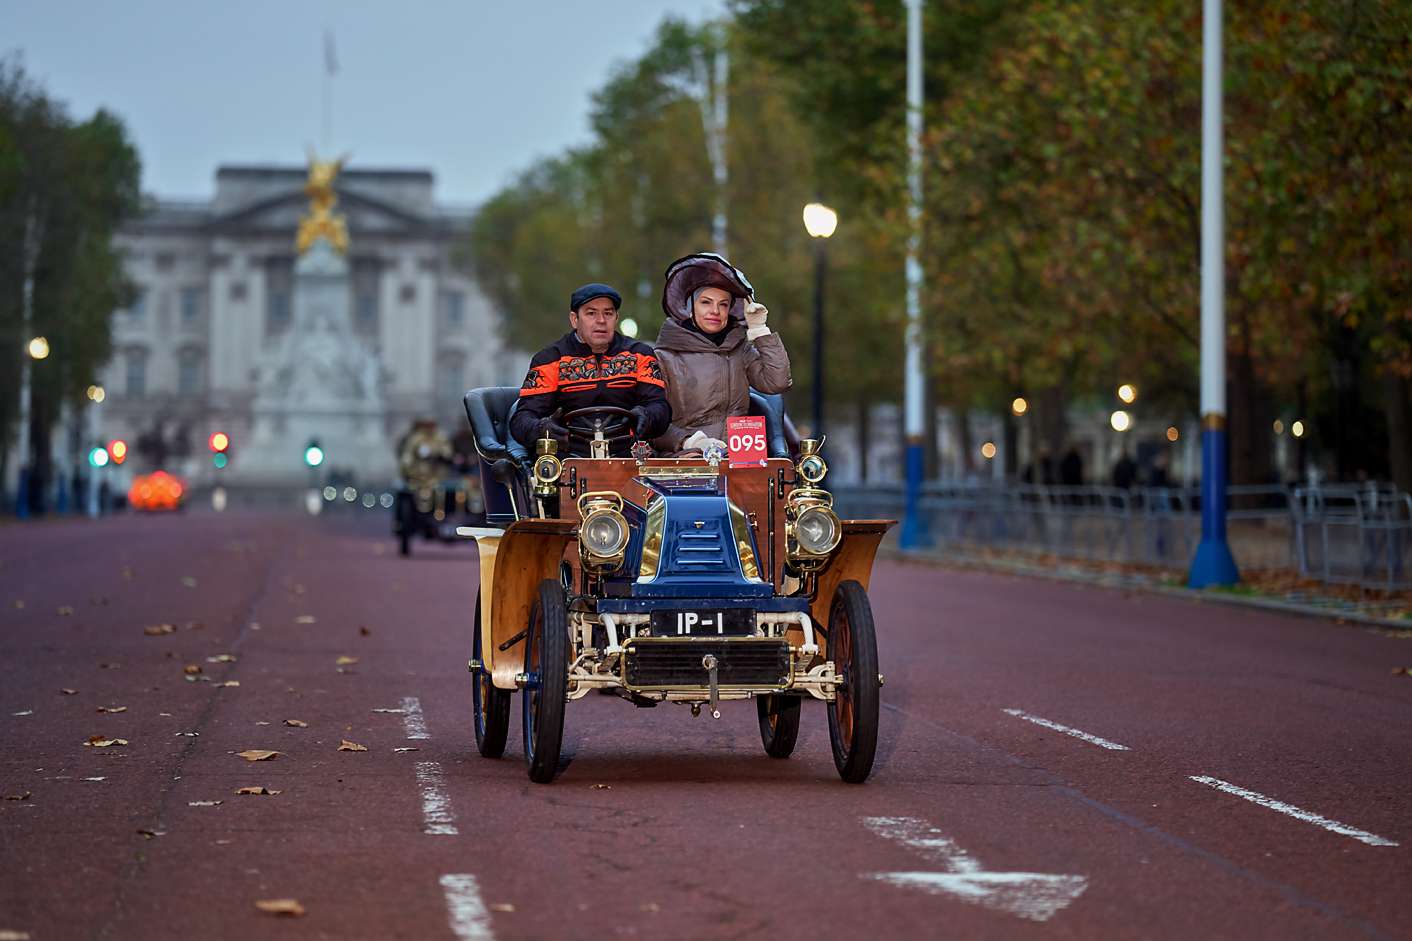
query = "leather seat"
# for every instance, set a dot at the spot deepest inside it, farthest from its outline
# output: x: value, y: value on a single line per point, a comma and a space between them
x: 488, y: 410
x: 772, y: 407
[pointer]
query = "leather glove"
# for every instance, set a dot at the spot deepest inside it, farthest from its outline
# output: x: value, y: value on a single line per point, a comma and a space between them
x: 550, y: 428
x: 755, y: 315
x: 700, y: 441
x: 640, y: 429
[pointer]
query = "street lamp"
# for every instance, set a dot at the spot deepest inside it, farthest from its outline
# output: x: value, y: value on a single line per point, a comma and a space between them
x: 39, y: 348
x: 820, y: 221
x: 1128, y: 393
x: 1120, y: 420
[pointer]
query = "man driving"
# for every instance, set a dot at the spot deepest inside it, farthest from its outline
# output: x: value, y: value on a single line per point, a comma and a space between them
x: 592, y: 365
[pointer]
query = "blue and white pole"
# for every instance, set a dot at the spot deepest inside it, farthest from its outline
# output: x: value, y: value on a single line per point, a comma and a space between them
x: 1213, y: 564
x: 914, y: 533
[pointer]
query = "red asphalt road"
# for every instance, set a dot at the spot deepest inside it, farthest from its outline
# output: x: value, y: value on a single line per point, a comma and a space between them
x: 661, y: 824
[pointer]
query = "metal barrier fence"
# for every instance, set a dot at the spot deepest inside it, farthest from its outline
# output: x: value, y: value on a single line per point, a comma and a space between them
x: 1335, y: 533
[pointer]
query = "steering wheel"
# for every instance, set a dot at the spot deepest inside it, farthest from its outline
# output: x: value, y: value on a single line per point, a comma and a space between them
x: 617, y: 424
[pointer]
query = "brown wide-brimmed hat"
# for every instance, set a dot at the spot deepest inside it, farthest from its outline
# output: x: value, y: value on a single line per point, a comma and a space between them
x: 689, y: 274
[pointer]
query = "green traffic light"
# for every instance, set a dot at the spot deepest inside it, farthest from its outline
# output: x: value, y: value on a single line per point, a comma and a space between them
x: 98, y: 457
x: 220, y: 460
x: 313, y: 455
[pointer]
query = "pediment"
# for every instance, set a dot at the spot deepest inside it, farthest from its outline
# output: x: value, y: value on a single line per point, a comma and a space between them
x: 283, y: 211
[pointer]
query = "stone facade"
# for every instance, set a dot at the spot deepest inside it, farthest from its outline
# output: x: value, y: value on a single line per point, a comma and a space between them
x: 216, y: 282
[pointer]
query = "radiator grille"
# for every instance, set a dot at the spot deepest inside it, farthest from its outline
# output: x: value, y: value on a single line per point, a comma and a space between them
x: 678, y: 662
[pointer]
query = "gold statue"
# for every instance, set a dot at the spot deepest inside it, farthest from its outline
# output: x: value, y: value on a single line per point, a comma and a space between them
x: 322, y: 222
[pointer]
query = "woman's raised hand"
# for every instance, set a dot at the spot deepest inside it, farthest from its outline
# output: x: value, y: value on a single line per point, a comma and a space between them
x: 755, y: 314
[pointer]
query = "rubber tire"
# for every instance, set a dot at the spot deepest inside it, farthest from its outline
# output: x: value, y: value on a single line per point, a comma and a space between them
x: 854, y: 739
x: 547, y: 654
x: 779, y: 735
x: 490, y: 705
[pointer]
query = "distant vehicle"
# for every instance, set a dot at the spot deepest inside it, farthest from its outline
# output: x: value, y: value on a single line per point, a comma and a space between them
x: 686, y: 580
x: 433, y: 512
x: 156, y: 491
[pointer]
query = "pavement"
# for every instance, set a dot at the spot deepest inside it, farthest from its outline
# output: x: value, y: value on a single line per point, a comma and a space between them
x: 1056, y: 760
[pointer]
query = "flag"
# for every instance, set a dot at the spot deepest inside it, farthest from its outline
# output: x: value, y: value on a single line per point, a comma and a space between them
x: 330, y: 54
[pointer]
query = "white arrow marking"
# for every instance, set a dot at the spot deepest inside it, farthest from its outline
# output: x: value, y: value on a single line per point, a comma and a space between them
x: 1033, y: 895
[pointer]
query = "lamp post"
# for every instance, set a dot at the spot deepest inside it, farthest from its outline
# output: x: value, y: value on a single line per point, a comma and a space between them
x: 914, y: 533
x: 1213, y: 564
x: 820, y: 221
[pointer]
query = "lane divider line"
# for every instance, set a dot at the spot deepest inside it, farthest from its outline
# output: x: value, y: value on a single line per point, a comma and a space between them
x: 436, y: 805
x: 412, y: 719
x: 470, y: 921
x: 1343, y: 829
x: 1076, y: 733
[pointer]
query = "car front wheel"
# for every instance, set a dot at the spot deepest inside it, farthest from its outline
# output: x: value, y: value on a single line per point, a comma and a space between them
x: 547, y: 681
x: 853, y: 715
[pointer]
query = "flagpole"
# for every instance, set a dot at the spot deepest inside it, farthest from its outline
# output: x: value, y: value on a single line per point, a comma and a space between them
x: 330, y: 67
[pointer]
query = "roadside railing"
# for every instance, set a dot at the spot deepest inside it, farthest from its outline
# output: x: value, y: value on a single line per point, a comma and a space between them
x: 1357, y: 535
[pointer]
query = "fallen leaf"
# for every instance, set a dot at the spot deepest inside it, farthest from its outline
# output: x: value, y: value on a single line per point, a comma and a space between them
x: 65, y: 611
x: 602, y: 787
x: 22, y: 796
x: 19, y: 605
x: 189, y: 734
x: 224, y: 842
x: 98, y: 741
x: 204, y: 803
x: 650, y: 907
x: 345, y: 661
x: 229, y: 683
x: 151, y: 834
x: 1402, y: 671
x: 7, y: 935
x: 305, y: 619
x: 110, y: 666
x: 351, y: 746
x: 188, y: 581
x: 167, y: 714
x: 363, y: 631
x: 191, y: 669
x: 157, y: 630
x: 65, y: 691
x: 23, y: 712
x: 261, y: 723
x: 221, y: 658
x: 258, y: 754
x: 296, y: 723
x: 256, y: 791
x: 501, y: 907
x: 289, y: 908
x: 195, y: 625
x: 407, y: 748
x: 299, y: 589
x: 112, y: 708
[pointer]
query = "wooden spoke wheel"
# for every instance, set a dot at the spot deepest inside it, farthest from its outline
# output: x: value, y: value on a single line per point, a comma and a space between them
x: 853, y: 715
x: 491, y: 705
x: 779, y: 723
x: 547, y: 681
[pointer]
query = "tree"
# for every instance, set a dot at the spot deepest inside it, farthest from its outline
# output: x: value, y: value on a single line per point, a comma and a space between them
x: 65, y: 187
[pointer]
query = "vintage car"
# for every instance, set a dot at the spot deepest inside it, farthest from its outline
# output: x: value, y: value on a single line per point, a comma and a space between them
x: 433, y: 512
x: 658, y: 580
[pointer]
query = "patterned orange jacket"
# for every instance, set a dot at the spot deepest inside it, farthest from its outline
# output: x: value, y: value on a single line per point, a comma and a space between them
x: 568, y: 375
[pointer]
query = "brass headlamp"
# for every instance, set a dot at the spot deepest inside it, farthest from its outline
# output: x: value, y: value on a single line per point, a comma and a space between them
x: 547, y: 467
x: 811, y: 528
x: 811, y: 467
x: 603, y: 531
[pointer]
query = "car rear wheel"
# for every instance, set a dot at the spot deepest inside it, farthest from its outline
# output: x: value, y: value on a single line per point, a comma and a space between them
x: 491, y: 705
x: 779, y: 724
x: 853, y: 715
x: 547, y: 681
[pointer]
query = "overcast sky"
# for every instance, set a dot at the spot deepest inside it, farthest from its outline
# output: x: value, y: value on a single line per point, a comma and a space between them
x: 473, y: 91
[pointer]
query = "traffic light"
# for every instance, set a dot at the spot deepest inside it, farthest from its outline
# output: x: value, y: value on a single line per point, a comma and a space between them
x: 313, y: 454
x: 220, y: 449
x: 117, y: 450
x: 98, y: 456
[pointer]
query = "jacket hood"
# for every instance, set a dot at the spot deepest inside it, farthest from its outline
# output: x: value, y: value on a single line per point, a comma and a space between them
x: 678, y: 338
x: 688, y: 274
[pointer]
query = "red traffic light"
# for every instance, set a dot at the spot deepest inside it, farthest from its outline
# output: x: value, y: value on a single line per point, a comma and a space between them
x: 117, y: 450
x: 220, y: 441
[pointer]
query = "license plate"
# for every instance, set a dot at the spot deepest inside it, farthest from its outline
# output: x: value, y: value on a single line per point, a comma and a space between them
x: 697, y: 622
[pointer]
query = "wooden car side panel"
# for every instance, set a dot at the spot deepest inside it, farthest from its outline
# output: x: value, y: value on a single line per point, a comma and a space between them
x: 852, y: 560
x: 512, y: 566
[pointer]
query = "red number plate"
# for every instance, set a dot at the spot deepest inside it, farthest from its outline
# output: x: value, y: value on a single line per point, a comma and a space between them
x: 745, y: 440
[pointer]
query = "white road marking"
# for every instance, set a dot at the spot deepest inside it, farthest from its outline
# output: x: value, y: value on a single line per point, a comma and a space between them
x: 1036, y: 896
x: 1343, y: 829
x: 469, y: 919
x: 412, y: 718
x: 436, y: 805
x: 1076, y: 733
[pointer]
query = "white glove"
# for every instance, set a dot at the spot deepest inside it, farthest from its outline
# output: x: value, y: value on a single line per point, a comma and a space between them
x: 700, y: 441
x: 755, y: 315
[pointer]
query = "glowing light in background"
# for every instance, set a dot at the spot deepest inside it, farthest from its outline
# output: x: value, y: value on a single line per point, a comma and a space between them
x: 1019, y: 406
x: 1120, y: 420
x: 1127, y: 392
x: 988, y: 450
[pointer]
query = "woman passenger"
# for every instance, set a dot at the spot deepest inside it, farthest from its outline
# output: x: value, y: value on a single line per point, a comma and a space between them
x: 713, y: 349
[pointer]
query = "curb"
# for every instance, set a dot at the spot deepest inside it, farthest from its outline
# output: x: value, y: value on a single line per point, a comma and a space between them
x: 1403, y: 628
